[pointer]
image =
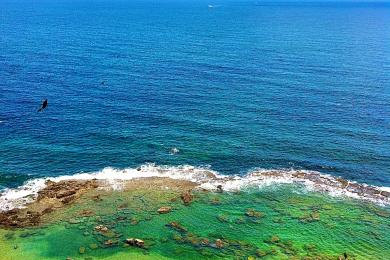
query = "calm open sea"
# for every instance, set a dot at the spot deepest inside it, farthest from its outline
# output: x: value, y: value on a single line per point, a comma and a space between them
x: 234, y: 85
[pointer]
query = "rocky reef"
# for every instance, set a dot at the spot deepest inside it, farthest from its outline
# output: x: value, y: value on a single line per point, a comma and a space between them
x: 163, y: 218
x: 54, y: 196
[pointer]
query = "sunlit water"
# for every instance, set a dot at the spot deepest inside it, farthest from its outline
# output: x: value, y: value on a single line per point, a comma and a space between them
x: 235, y: 86
x: 275, y: 223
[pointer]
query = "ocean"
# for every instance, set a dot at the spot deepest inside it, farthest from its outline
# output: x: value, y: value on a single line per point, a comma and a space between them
x: 233, y: 86
x: 183, y: 129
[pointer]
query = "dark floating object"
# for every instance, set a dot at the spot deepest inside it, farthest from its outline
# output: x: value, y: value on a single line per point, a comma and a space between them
x: 44, y: 105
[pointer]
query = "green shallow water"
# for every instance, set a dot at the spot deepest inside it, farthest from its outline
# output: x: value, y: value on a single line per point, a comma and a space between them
x: 274, y: 223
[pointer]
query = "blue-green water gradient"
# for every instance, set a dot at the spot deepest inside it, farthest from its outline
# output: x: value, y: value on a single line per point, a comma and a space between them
x: 238, y: 85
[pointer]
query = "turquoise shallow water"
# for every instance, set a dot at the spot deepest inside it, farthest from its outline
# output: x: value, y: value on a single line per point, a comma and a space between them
x: 242, y: 85
x: 274, y: 223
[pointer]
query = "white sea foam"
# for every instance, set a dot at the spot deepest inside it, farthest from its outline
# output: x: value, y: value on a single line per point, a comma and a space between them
x: 206, y: 178
x: 174, y: 151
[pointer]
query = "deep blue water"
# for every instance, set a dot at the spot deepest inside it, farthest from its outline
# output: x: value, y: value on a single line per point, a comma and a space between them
x: 244, y: 84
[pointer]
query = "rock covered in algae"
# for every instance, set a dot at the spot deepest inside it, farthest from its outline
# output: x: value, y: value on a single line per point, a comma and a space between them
x: 82, y: 250
x: 177, y: 226
x: 254, y: 213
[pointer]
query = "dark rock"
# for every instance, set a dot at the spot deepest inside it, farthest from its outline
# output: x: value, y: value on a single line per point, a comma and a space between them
x: 96, y: 198
x: 254, y: 214
x: 372, y: 191
x: 300, y: 175
x: 274, y: 239
x: 49, y: 182
x: 177, y: 226
x: 101, y: 228
x: 12, y: 218
x: 260, y: 253
x: 204, y: 242
x: 164, y: 210
x: 73, y: 221
x: 68, y: 199
x: 215, y: 201
x: 219, y: 243
x: 65, y: 193
x: 385, y: 194
x: 93, y: 246
x: 48, y: 210
x: 110, y: 242
x: 135, y: 242
x: 186, y: 197
x: 123, y: 206
x: 356, y: 188
x: 82, y: 250
x: 86, y: 213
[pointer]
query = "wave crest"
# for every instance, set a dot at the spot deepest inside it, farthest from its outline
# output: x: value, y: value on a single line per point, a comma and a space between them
x: 206, y: 179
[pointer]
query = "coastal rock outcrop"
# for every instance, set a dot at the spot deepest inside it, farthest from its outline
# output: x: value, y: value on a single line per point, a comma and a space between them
x: 54, y: 195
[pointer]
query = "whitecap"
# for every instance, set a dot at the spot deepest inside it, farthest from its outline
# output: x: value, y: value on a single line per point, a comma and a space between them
x: 206, y: 179
x: 174, y: 151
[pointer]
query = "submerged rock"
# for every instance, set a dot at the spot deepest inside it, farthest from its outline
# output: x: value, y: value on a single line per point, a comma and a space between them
x: 73, y: 221
x: 82, y: 250
x: 219, y: 243
x: 310, y: 217
x: 101, y: 228
x: 134, y: 221
x: 86, y: 213
x: 108, y: 242
x: 96, y: 198
x: 204, y: 242
x: 187, y: 197
x: 135, y: 242
x: 222, y: 218
x: 164, y: 210
x: 274, y: 239
x: 253, y: 213
x: 177, y: 226
x: 261, y: 253
x: 215, y: 201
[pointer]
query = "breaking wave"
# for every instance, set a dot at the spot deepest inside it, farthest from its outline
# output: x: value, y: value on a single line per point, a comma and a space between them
x: 206, y: 179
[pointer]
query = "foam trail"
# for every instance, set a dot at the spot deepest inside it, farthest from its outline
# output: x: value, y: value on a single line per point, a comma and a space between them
x: 207, y: 179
